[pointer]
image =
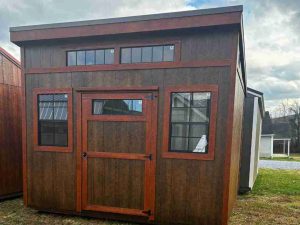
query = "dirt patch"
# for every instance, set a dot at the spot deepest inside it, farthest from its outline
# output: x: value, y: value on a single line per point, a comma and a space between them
x: 266, y: 210
x: 13, y: 212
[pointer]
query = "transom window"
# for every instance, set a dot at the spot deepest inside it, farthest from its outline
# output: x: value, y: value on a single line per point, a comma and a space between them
x: 91, y: 57
x: 53, y: 120
x: 189, y: 122
x: 148, y: 54
x: 117, y: 107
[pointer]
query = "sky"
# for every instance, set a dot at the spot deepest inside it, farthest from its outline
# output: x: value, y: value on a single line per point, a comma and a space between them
x: 272, y: 33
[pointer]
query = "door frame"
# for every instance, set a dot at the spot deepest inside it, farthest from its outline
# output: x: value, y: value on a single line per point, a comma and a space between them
x: 149, y: 200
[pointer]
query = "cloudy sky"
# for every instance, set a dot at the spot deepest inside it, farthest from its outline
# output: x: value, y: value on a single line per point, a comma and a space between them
x: 272, y: 32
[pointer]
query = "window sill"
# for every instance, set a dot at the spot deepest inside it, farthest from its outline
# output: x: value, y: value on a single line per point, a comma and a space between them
x: 195, y: 156
x: 52, y: 149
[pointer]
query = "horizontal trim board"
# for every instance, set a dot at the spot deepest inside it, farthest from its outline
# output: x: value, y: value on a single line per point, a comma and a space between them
x: 108, y: 209
x: 116, y: 118
x: 140, y: 66
x: 120, y: 89
x: 230, y: 18
x: 116, y: 155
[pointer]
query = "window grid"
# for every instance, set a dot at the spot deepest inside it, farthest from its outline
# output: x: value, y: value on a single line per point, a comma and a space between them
x: 105, y: 57
x: 117, y: 107
x: 57, y: 119
x: 189, y: 123
x: 152, y: 60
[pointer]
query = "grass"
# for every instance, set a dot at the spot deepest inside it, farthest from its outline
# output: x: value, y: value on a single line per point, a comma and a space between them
x: 275, y: 200
x: 293, y: 157
x: 13, y: 212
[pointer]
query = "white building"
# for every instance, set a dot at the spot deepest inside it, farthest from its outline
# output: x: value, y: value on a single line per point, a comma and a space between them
x: 266, y: 145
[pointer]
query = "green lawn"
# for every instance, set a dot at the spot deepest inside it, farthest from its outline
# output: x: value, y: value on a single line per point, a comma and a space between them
x: 275, y: 199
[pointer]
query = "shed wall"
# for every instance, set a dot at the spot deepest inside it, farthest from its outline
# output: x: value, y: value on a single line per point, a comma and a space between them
x: 187, y: 191
x: 10, y: 128
x: 251, y: 143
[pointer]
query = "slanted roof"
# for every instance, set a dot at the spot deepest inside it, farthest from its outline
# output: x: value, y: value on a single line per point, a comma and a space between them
x: 7, y: 55
x: 146, y: 23
x: 260, y: 96
x: 267, y: 125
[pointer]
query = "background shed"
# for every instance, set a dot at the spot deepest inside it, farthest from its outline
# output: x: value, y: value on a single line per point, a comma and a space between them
x: 10, y: 126
x: 267, y: 137
x: 252, y: 123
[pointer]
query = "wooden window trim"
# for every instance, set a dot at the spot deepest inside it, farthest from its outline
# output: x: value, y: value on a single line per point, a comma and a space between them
x: 212, y: 125
x: 37, y: 147
x: 131, y: 44
x: 89, y: 49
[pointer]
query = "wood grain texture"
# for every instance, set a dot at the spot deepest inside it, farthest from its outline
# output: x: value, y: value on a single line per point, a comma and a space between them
x: 186, y: 191
x: 10, y: 126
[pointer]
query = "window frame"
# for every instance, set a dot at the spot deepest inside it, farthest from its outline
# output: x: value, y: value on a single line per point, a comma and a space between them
x: 213, y: 89
x: 37, y: 147
x: 95, y: 56
x: 152, y: 61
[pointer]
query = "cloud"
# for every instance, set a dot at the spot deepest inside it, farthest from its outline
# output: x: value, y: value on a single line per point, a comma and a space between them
x: 31, y: 12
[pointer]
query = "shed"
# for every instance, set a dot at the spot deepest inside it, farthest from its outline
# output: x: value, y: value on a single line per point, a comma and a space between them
x: 136, y: 118
x: 267, y: 137
x: 10, y: 126
x: 252, y: 123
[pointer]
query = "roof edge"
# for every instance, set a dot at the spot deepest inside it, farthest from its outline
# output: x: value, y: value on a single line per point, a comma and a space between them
x: 255, y: 91
x: 10, y: 57
x: 198, y: 12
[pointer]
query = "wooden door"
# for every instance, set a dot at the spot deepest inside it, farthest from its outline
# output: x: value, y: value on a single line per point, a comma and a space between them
x: 118, y: 153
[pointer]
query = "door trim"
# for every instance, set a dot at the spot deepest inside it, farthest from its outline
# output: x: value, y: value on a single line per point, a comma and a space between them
x: 149, y: 200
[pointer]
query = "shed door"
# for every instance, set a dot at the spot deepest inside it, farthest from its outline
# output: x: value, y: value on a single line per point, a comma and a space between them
x: 118, y: 153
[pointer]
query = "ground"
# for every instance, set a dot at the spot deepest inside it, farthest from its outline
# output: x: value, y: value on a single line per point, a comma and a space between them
x: 275, y: 200
x: 293, y: 157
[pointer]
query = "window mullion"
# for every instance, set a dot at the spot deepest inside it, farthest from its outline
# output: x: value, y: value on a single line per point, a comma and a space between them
x: 189, y: 122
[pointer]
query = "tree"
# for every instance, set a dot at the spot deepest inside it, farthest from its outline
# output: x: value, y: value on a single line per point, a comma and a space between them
x: 294, y: 109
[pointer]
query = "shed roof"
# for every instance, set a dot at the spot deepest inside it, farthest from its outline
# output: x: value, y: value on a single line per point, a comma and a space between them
x: 133, y: 24
x: 7, y: 55
x: 260, y: 96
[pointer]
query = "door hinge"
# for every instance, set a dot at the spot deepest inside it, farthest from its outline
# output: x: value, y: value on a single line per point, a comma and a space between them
x: 148, y: 212
x: 148, y: 156
x: 84, y: 155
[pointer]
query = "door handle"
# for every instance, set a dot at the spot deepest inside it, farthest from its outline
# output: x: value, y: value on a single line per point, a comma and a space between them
x: 148, y: 156
x: 84, y: 155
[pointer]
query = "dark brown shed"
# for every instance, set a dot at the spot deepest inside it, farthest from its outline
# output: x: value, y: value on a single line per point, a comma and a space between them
x: 10, y: 126
x: 254, y: 111
x: 136, y: 118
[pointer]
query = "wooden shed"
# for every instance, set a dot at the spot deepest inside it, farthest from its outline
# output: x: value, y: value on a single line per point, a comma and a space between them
x: 136, y: 118
x: 254, y: 111
x: 10, y: 126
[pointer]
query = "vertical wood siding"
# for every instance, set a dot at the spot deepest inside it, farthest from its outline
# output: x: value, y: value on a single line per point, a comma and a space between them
x: 10, y: 128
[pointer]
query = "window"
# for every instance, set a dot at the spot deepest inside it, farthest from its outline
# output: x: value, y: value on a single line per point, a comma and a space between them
x: 117, y: 107
x: 148, y: 54
x: 52, y: 120
x: 90, y: 57
x: 189, y: 122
